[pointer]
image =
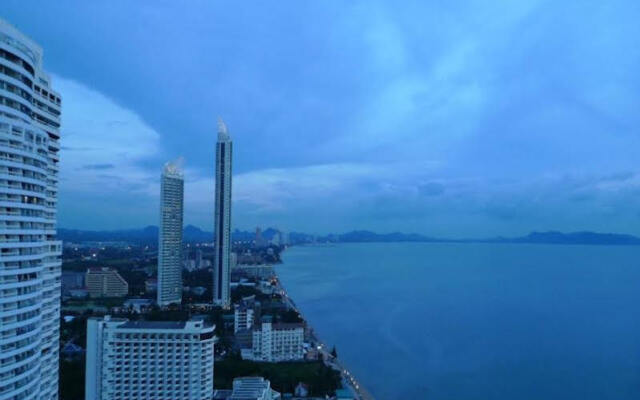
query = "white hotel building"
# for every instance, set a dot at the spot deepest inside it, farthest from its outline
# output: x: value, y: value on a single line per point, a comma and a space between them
x: 149, y: 360
x: 29, y: 252
x: 275, y: 342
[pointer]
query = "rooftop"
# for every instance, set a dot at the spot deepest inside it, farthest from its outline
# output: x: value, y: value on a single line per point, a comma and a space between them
x: 249, y: 388
x: 173, y: 168
x: 153, y: 325
x: 223, y: 132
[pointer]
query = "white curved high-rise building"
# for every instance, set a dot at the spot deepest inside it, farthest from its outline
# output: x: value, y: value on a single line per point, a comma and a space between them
x: 29, y: 252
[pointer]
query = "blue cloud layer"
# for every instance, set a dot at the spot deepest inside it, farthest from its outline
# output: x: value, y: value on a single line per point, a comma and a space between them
x: 451, y: 118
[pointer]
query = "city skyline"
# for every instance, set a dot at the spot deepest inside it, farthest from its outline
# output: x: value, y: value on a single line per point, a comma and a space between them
x: 479, y: 120
x: 464, y: 125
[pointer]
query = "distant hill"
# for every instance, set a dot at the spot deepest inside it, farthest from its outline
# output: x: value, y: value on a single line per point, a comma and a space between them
x: 553, y: 237
x: 192, y: 233
x: 149, y: 233
x: 368, y: 236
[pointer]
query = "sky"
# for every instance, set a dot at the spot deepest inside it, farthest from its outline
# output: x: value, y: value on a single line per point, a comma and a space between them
x: 447, y: 118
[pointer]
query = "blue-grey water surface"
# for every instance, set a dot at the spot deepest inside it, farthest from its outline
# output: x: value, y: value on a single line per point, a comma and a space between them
x: 476, y: 321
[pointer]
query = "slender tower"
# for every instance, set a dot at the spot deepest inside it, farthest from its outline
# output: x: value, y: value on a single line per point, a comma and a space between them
x: 170, y: 236
x: 29, y: 251
x: 221, y: 295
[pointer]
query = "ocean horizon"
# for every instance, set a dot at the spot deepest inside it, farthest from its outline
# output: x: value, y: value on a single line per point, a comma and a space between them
x: 475, y: 321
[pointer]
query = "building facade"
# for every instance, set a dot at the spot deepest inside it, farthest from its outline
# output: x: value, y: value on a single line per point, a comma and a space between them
x: 245, y: 313
x: 149, y: 360
x: 105, y: 282
x: 276, y: 342
x: 170, y: 235
x: 30, y: 254
x: 222, y: 220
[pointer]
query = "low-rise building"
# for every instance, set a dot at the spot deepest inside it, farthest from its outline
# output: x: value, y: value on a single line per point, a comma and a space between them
x: 149, y: 360
x: 275, y: 342
x: 245, y: 313
x: 105, y: 282
x: 253, y: 388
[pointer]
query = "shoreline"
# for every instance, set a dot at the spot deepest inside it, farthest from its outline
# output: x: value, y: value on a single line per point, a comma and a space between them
x: 349, y: 381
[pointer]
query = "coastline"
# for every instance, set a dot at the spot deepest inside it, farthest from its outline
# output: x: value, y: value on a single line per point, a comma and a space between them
x: 349, y: 381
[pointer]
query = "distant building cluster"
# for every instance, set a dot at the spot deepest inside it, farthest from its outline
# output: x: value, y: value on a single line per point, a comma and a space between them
x: 197, y: 263
x: 278, y: 238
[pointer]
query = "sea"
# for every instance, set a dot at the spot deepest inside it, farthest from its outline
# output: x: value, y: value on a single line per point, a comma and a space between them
x: 475, y: 321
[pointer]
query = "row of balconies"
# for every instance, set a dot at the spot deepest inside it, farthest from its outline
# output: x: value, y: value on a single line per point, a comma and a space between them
x: 20, y: 200
x: 47, y: 109
x: 24, y: 135
x: 13, y: 278
x: 17, y: 61
x: 7, y: 224
x: 24, y: 173
x: 31, y: 187
x: 49, y: 97
x: 9, y: 87
x: 26, y: 159
x: 12, y: 104
x: 18, y: 330
x: 15, y: 74
x: 24, y: 215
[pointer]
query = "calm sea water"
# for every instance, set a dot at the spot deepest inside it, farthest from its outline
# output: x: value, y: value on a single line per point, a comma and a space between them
x: 476, y: 321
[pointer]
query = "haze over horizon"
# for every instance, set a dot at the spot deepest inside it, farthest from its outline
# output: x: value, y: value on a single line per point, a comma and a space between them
x: 467, y: 120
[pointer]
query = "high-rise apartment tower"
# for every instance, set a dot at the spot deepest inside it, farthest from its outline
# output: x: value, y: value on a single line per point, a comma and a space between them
x: 170, y: 235
x: 29, y: 252
x: 222, y: 217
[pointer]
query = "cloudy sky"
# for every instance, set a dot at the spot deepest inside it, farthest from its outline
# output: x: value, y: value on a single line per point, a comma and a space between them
x: 448, y: 118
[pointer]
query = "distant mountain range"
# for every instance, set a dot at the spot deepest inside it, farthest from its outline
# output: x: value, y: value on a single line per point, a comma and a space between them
x: 192, y: 233
x: 572, y: 238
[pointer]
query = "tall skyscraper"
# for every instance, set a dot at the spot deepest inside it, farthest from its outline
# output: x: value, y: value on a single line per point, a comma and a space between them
x: 170, y: 235
x: 221, y: 262
x: 30, y: 254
